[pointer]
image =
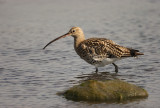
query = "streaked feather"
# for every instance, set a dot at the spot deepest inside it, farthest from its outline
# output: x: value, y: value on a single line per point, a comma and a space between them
x: 97, y: 49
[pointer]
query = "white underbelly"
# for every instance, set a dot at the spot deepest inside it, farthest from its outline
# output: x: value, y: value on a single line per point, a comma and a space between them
x: 106, y: 61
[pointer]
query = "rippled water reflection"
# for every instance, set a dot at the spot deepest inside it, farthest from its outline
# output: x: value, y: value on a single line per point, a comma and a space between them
x: 30, y: 77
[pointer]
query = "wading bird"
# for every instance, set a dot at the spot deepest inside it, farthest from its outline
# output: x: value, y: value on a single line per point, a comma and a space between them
x: 98, y: 51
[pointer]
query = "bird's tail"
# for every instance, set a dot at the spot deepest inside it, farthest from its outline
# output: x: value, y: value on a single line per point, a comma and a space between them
x: 135, y: 53
x: 132, y: 53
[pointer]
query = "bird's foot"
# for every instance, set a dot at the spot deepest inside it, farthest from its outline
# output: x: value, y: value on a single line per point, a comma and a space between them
x: 96, y: 70
x: 116, y: 67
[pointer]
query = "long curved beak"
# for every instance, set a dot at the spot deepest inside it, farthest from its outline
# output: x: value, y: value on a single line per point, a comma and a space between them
x: 63, y: 36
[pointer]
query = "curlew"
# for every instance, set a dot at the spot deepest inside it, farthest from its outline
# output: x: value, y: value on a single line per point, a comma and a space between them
x: 98, y: 51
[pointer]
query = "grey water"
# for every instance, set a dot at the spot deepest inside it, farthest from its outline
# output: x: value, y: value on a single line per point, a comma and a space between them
x: 31, y: 77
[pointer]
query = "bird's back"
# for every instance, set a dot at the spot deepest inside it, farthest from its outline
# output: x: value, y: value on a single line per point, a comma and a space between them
x: 95, y: 50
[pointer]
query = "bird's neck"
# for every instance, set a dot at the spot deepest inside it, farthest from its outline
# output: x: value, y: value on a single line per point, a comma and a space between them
x: 78, y: 40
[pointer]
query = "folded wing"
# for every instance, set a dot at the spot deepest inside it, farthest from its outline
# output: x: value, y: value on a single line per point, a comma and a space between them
x: 101, y: 48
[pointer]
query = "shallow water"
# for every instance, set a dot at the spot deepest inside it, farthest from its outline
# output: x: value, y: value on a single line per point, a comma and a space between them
x: 30, y: 77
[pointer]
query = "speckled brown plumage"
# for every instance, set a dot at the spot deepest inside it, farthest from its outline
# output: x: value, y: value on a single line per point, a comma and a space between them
x: 94, y: 50
x: 98, y: 51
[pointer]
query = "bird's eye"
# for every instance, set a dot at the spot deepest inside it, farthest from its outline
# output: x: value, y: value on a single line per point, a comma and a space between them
x: 73, y: 31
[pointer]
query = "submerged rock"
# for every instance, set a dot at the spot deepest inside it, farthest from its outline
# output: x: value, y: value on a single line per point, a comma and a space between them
x: 109, y: 90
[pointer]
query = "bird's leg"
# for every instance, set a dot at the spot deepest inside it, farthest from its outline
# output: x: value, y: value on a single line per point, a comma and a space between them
x: 116, y: 67
x: 96, y: 69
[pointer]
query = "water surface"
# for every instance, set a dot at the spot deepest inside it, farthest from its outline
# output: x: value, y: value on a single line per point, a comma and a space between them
x: 30, y: 77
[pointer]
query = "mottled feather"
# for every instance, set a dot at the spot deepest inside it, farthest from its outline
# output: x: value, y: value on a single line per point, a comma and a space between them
x: 97, y: 49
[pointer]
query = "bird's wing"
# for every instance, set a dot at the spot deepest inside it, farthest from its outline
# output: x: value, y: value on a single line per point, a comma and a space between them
x: 100, y: 48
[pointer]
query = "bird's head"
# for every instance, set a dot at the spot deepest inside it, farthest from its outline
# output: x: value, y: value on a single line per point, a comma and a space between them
x: 74, y: 32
